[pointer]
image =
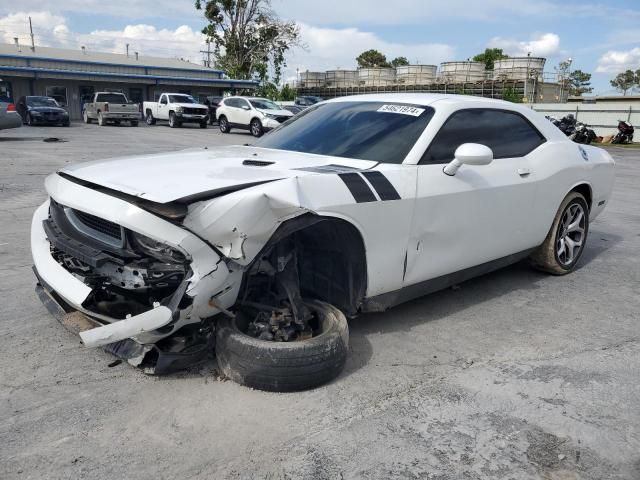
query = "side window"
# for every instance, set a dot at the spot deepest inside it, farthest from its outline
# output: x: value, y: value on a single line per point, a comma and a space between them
x: 231, y: 102
x: 507, y: 133
x: 163, y: 99
x: 242, y: 103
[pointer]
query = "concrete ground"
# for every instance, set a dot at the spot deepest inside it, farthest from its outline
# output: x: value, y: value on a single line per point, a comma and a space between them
x: 514, y: 375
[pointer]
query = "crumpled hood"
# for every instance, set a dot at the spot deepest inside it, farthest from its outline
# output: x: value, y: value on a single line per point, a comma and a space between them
x: 167, y: 177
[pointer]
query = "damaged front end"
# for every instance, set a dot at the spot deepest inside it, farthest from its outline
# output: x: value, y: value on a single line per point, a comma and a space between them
x: 146, y: 301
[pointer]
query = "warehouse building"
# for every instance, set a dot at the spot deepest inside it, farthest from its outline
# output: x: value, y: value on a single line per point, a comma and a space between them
x: 72, y: 76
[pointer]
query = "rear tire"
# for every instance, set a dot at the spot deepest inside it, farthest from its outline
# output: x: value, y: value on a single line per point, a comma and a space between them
x: 100, y: 119
x: 224, y: 124
x: 285, y: 366
x: 29, y: 120
x: 566, y: 240
x: 134, y: 123
x: 86, y: 118
x: 149, y: 119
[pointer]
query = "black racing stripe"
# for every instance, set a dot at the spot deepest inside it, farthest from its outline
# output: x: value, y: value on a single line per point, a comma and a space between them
x: 358, y: 187
x: 383, y: 186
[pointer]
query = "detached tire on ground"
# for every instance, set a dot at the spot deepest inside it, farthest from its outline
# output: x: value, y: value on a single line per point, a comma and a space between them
x: 285, y: 366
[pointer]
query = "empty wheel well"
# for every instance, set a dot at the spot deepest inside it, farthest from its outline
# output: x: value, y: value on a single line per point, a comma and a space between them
x: 331, y: 260
x: 585, y: 190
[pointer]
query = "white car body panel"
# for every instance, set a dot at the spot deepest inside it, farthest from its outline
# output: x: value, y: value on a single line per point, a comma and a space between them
x: 437, y: 224
x: 241, y: 117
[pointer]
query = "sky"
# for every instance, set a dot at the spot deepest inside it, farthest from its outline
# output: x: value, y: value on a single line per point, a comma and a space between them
x: 601, y: 37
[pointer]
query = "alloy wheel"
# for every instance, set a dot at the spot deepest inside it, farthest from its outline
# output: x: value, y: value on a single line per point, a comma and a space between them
x: 571, y: 234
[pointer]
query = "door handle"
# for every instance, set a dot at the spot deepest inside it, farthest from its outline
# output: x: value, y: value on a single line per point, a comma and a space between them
x: 524, y: 172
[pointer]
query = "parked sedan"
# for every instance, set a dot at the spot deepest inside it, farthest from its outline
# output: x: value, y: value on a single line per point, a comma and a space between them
x: 9, y: 117
x: 42, y: 111
x: 356, y: 205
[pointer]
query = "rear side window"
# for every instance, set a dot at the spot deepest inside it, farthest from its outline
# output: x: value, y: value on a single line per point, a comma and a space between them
x: 507, y: 133
x: 111, y: 98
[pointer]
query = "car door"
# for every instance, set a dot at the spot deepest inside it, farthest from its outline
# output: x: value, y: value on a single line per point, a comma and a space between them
x: 163, y: 107
x: 482, y: 212
x: 244, y: 112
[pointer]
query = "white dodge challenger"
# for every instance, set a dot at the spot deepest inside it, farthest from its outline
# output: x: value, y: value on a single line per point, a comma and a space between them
x: 261, y: 252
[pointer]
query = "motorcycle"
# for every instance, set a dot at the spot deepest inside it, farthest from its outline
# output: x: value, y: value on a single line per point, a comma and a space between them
x: 583, y: 134
x: 625, y: 133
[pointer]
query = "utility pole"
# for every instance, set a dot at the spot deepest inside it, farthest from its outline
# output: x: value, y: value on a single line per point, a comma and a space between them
x: 208, y: 52
x: 33, y: 44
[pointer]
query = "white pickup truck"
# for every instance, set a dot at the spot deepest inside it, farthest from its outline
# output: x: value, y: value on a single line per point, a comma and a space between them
x: 111, y: 107
x: 176, y: 108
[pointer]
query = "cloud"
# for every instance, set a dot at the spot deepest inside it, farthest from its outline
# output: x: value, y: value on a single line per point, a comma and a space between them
x: 615, y: 61
x: 540, y: 45
x: 385, y: 12
x: 53, y: 31
x: 332, y: 48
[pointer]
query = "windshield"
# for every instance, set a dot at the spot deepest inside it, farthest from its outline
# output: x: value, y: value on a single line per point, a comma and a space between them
x: 264, y: 104
x: 41, y: 102
x: 181, y: 99
x: 112, y: 98
x: 379, y: 131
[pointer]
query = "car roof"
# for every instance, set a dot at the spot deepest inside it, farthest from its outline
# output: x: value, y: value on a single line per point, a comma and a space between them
x: 419, y: 98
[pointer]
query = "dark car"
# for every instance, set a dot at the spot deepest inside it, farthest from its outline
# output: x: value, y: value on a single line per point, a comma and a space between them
x: 307, y: 101
x: 212, y: 102
x: 42, y: 111
x: 295, y: 109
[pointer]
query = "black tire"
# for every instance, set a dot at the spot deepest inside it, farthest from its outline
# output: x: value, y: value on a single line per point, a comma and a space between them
x: 101, y: 120
x: 86, y: 118
x: 255, y: 127
x: 149, y: 118
x: 134, y: 123
x: 29, y: 120
x: 547, y: 257
x: 284, y: 366
x: 224, y: 124
x: 173, y: 121
x: 203, y: 124
x: 66, y: 124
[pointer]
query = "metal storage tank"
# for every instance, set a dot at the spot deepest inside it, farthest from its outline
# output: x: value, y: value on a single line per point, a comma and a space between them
x: 375, y: 77
x: 312, y: 79
x: 341, y: 78
x: 416, y: 74
x: 456, y: 72
x: 518, y: 68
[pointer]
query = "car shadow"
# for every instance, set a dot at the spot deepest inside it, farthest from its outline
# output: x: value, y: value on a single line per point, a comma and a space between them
x: 21, y: 139
x: 435, y: 306
x: 445, y: 303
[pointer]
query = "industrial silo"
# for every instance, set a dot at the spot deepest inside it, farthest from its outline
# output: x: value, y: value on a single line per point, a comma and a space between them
x: 459, y: 72
x: 416, y: 74
x: 312, y: 79
x: 376, y: 77
x: 341, y: 78
x: 518, y: 68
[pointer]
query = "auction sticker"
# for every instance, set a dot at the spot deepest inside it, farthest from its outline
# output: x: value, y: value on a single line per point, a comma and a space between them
x: 402, y: 109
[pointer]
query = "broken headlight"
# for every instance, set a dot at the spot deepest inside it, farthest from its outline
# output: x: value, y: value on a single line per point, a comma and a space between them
x: 158, y: 250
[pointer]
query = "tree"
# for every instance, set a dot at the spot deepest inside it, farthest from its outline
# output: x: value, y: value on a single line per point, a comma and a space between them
x: 372, y: 59
x: 249, y: 39
x: 287, y: 93
x: 399, y: 62
x: 489, y: 56
x: 625, y: 81
x: 579, y: 83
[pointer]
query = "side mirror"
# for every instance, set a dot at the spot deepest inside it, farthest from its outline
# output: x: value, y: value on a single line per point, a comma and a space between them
x: 469, y: 154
